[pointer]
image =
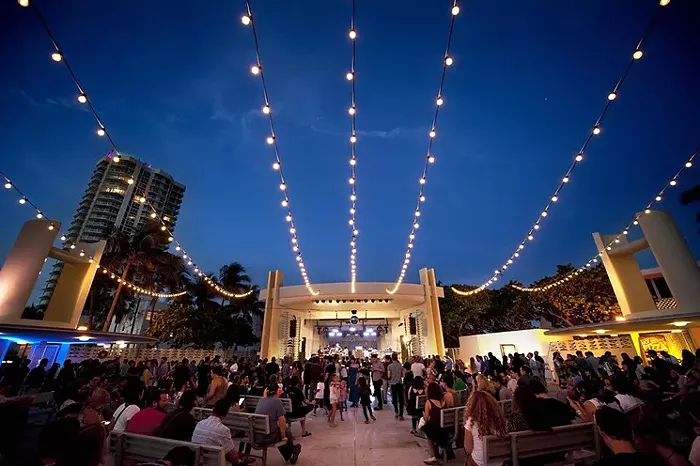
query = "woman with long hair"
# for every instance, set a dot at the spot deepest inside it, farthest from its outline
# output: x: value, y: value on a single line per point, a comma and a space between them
x: 417, y: 389
x: 437, y: 436
x: 482, y: 417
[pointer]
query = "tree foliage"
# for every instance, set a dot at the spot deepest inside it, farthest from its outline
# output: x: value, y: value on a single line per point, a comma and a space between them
x: 586, y: 298
x: 198, y: 320
x: 690, y: 196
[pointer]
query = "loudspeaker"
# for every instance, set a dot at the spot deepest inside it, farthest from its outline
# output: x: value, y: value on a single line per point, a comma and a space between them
x: 412, y: 325
x: 293, y: 328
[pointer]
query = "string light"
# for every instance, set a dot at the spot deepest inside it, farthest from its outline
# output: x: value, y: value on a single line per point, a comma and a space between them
x: 612, y: 95
x: 114, y: 156
x: 257, y: 70
x: 429, y: 159
x: 352, y: 222
x: 59, y: 57
x: 616, y: 240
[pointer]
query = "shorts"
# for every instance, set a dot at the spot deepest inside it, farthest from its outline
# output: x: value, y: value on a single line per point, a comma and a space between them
x: 334, y: 399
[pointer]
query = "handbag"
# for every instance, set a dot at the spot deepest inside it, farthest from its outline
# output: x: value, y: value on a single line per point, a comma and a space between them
x: 421, y: 423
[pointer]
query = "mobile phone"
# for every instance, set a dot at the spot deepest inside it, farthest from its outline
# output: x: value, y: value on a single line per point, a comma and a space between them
x: 240, y: 401
x: 106, y: 423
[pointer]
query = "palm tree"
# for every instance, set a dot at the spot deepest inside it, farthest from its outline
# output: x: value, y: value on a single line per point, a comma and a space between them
x: 170, y: 274
x: 137, y: 253
x: 691, y: 195
x: 234, y: 277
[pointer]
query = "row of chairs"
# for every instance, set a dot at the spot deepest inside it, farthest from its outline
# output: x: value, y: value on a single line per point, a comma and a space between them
x: 245, y: 424
x: 579, y: 442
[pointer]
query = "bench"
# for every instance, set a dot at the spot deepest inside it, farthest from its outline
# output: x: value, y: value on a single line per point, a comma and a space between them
x: 452, y: 418
x: 248, y: 424
x: 580, y: 441
x: 506, y: 406
x: 462, y: 396
x: 420, y: 402
x: 42, y: 405
x: 134, y: 447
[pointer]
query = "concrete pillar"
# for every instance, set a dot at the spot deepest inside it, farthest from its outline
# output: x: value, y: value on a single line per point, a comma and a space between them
x: 73, y: 285
x: 269, y: 343
x: 434, y: 341
x: 625, y: 276
x: 674, y: 258
x: 22, y: 266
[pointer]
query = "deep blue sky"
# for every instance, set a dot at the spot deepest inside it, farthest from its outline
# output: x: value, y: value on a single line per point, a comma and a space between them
x: 171, y: 81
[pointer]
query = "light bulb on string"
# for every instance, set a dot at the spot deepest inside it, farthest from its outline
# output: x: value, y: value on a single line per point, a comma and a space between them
x: 439, y: 101
x: 39, y: 215
x: 455, y: 10
x: 8, y: 185
x: 352, y: 110
x: 596, y: 130
x: 245, y: 19
x: 276, y: 166
x: 255, y: 69
x: 270, y: 140
x: 432, y: 133
x: 353, y: 140
x: 431, y: 159
x: 22, y: 200
x: 116, y: 159
x: 688, y: 164
x: 102, y: 132
x: 565, y: 179
x: 579, y: 157
x: 57, y: 56
x: 637, y: 54
x: 130, y: 181
x: 612, y: 96
x: 449, y: 61
x: 82, y: 98
x: 266, y: 109
x: 349, y: 76
x: 352, y: 34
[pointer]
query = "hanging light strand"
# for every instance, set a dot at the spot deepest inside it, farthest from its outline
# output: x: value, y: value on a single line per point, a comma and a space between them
x: 68, y: 244
x: 257, y: 70
x: 352, y: 34
x: 673, y: 181
x: 189, y: 260
x: 447, y: 61
x: 637, y: 54
x: 59, y: 56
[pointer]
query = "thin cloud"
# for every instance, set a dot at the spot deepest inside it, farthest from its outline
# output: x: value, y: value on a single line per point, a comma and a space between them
x: 67, y: 102
x: 394, y: 133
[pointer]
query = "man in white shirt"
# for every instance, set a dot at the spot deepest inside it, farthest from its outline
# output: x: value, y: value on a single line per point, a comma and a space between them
x: 234, y: 367
x: 212, y: 431
x: 418, y: 368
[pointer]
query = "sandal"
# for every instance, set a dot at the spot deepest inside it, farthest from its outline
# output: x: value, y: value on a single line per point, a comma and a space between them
x: 307, y: 434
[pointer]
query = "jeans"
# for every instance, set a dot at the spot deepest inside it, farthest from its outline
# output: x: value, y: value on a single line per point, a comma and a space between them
x: 378, y: 393
x: 365, y: 408
x: 285, y: 450
x: 397, y: 398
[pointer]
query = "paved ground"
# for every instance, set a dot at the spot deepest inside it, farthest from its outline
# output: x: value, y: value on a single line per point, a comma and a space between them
x: 385, y: 442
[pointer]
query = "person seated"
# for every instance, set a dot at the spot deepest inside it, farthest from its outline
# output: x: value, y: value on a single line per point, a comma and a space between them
x: 550, y: 412
x: 258, y: 388
x: 146, y: 421
x: 502, y: 392
x: 179, y: 424
x: 482, y: 417
x: 450, y: 396
x: 624, y: 394
x: 651, y: 436
x: 127, y: 410
x: 271, y: 406
x: 234, y: 392
x: 57, y: 436
x: 616, y: 433
x: 212, y: 431
x: 300, y: 405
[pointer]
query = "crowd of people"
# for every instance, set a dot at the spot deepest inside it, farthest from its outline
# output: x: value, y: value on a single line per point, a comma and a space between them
x: 647, y: 414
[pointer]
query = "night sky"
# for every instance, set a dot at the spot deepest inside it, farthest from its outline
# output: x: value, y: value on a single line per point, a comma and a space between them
x: 171, y: 80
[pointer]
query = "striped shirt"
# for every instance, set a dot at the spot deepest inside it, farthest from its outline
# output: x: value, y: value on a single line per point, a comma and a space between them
x: 211, y: 431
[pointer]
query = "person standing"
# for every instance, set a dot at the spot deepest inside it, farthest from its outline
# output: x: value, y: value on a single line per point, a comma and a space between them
x: 418, y: 368
x: 203, y: 377
x: 378, y: 380
x: 395, y: 371
x: 365, y: 400
x: 352, y: 382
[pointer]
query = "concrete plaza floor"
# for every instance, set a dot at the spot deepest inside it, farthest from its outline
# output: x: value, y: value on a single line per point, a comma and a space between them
x: 385, y: 442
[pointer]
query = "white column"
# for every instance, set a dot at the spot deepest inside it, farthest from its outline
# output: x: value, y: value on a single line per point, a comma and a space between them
x: 674, y: 258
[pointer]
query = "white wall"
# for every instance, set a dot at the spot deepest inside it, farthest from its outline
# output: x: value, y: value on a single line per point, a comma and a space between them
x: 525, y: 341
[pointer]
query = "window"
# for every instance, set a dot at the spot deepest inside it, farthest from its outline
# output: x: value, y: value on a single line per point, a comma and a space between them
x: 664, y: 290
